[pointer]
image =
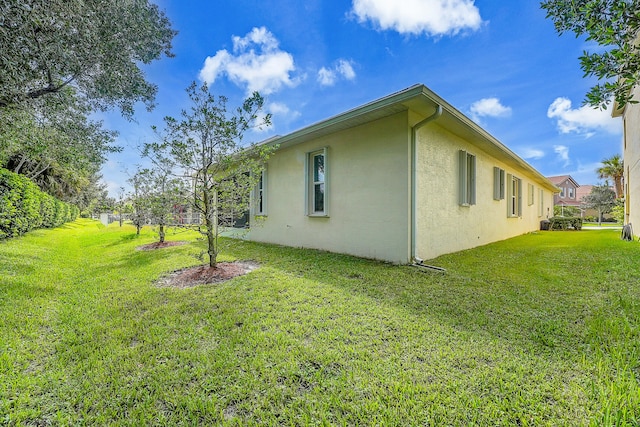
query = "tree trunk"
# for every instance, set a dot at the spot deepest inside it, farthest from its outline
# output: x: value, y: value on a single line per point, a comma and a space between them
x: 618, y: 187
x: 161, y: 233
x: 210, y: 216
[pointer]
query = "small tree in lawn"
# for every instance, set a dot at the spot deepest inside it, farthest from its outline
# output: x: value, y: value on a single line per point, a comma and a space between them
x: 205, y: 144
x: 602, y: 198
x: 158, y: 195
x: 139, y: 216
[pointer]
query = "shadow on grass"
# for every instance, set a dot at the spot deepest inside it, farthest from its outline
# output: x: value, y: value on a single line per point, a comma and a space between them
x: 536, y: 310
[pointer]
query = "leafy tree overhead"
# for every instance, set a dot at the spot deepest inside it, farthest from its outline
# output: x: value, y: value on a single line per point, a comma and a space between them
x: 205, y: 146
x: 94, y: 46
x: 54, y: 145
x: 614, y: 25
x: 613, y: 168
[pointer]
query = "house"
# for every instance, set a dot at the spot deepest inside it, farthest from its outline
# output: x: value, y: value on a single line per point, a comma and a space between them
x: 403, y: 177
x: 630, y: 114
x: 568, y: 195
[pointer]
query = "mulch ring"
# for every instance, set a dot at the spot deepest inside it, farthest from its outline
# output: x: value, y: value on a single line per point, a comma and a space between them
x: 203, y: 274
x: 158, y: 245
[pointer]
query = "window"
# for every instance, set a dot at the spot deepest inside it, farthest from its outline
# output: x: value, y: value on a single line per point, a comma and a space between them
x: 498, y: 183
x: 316, y: 196
x: 530, y: 194
x: 571, y: 192
x: 467, y: 169
x: 562, y: 189
x: 514, y: 196
x: 260, y: 200
x: 541, y: 202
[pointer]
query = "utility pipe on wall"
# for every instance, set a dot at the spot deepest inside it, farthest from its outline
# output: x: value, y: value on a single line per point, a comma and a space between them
x: 414, y: 133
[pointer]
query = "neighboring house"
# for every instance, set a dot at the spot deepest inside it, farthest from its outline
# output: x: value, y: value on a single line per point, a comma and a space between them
x: 631, y: 156
x: 568, y: 195
x: 401, y: 178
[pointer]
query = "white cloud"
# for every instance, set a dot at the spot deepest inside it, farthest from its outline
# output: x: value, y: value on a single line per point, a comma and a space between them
x: 432, y: 17
x: 489, y: 107
x: 279, y: 113
x: 563, y: 154
x: 342, y: 69
x: 584, y: 120
x: 256, y: 62
x: 531, y: 153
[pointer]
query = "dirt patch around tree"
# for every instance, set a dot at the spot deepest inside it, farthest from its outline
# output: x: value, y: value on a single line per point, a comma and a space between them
x: 158, y: 245
x: 203, y: 274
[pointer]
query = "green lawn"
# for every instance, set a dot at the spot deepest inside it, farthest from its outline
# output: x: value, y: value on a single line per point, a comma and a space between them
x: 543, y: 329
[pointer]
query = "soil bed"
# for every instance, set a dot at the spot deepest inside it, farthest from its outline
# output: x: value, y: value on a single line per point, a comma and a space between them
x: 158, y: 245
x: 203, y: 274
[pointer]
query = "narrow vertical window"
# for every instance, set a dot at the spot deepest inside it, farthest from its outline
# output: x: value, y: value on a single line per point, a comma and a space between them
x: 467, y: 181
x: 530, y: 194
x: 541, y: 202
x: 514, y: 196
x: 316, y: 194
x: 260, y: 193
x: 498, y: 183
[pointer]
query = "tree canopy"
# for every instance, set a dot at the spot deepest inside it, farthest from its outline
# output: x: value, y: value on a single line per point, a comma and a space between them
x: 94, y: 46
x: 614, y: 25
x: 613, y: 168
x: 60, y: 61
x: 601, y: 198
x: 205, y: 147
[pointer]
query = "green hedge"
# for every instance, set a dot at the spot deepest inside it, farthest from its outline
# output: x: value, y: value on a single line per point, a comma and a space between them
x: 565, y: 223
x: 23, y: 207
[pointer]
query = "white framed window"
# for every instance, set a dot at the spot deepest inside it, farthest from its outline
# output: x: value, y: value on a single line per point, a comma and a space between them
x: 572, y: 194
x: 467, y: 181
x: 260, y: 193
x: 514, y: 196
x: 498, y: 183
x: 317, y: 185
x: 541, y: 202
x: 530, y: 194
x: 562, y: 192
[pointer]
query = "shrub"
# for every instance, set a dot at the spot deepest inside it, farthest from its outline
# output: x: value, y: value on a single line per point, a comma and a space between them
x: 23, y: 207
x: 565, y: 223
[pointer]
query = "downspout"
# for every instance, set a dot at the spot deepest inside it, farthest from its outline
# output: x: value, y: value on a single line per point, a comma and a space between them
x: 414, y: 161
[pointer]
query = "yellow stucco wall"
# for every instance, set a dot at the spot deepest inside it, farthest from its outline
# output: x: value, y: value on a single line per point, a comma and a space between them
x: 368, y: 193
x: 632, y: 162
x: 443, y: 226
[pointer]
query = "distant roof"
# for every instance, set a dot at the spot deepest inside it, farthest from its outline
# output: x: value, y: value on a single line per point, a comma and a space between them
x: 584, y: 190
x: 562, y: 178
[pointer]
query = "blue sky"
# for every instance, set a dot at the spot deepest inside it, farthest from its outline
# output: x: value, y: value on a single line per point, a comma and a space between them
x: 499, y: 62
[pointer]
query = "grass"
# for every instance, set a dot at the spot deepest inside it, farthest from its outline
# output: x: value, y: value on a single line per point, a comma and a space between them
x: 543, y: 329
x: 603, y: 224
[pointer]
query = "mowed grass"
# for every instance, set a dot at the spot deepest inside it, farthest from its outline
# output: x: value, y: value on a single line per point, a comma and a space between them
x: 543, y: 329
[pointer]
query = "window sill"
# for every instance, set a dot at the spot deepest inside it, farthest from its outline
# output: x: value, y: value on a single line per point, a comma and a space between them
x: 318, y: 215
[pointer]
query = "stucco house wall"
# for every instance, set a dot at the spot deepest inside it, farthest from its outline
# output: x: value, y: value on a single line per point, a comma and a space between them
x: 367, y: 179
x: 443, y: 225
x: 392, y: 183
x: 631, y: 120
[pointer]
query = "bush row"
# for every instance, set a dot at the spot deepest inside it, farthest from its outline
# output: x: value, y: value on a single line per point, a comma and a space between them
x: 23, y: 207
x: 565, y: 223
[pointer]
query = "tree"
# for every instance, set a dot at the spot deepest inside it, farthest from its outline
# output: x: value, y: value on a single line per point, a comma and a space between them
x: 95, y: 47
x: 156, y: 195
x: 613, y: 168
x: 614, y: 25
x: 205, y: 146
x: 602, y: 198
x: 54, y: 145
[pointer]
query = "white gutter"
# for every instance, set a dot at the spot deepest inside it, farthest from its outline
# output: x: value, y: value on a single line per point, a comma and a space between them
x: 414, y: 132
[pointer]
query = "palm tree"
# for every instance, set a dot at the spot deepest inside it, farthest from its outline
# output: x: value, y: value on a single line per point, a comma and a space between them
x: 613, y: 168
